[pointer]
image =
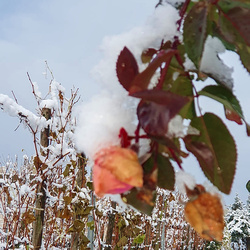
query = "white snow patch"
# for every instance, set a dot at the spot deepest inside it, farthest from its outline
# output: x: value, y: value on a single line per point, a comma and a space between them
x: 212, y: 64
x: 101, y: 120
x: 13, y: 109
x: 184, y: 180
x: 175, y: 2
x: 24, y: 189
x: 176, y: 128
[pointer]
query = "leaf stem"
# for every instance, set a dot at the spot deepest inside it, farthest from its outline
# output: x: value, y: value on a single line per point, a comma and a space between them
x: 182, y: 13
x: 176, y: 159
x: 164, y: 71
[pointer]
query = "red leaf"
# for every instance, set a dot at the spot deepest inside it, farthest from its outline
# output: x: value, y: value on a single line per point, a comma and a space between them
x: 142, y: 80
x: 233, y: 116
x: 239, y: 17
x: 157, y: 109
x: 126, y: 68
x: 162, y: 97
x: 202, y: 152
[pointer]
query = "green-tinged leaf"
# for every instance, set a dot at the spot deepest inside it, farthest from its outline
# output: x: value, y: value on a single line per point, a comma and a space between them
x: 148, y: 165
x: 77, y: 226
x: 183, y: 86
x: 84, y: 241
x: 227, y: 5
x: 83, y: 246
x: 217, y: 33
x: 215, y: 150
x: 177, y: 82
x: 244, y: 53
x: 224, y: 96
x: 239, y: 17
x: 143, y: 199
x: 237, y: 14
x: 142, y: 80
x: 98, y: 212
x: 66, y: 170
x: 232, y: 33
x: 90, y: 185
x: 122, y: 242
x: 194, y: 32
x: 86, y: 210
x: 67, y: 200
x: 82, y: 210
x: 91, y: 225
x: 166, y: 173
x: 65, y: 214
x: 248, y: 186
x: 139, y: 239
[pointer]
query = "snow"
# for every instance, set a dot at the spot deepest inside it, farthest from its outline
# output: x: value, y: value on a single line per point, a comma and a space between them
x: 184, y: 180
x: 36, y: 90
x: 52, y: 103
x: 175, y: 2
x: 24, y: 189
x: 100, y: 121
x: 161, y: 25
x: 212, y: 64
x: 176, y: 128
x: 13, y: 109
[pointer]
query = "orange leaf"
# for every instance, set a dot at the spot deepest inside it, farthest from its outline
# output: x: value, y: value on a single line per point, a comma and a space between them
x: 116, y: 170
x: 205, y: 215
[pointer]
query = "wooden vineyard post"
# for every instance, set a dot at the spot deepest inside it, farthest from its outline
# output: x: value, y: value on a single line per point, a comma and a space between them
x: 80, y: 182
x: 111, y: 225
x: 40, y: 193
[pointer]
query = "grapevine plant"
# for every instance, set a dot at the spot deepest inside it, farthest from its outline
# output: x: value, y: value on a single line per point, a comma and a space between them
x: 173, y: 95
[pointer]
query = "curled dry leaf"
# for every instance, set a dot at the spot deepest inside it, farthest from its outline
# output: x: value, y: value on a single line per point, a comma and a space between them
x: 116, y: 170
x: 205, y: 214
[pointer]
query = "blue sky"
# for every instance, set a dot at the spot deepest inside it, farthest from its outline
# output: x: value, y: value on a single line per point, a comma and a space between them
x: 68, y: 34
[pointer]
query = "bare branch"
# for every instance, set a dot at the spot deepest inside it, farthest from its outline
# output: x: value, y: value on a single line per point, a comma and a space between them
x: 33, y: 90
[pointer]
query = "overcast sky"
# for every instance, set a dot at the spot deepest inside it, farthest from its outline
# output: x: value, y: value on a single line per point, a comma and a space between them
x: 68, y: 35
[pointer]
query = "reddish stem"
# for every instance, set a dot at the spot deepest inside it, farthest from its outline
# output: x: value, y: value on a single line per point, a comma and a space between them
x: 138, y: 137
x: 137, y: 133
x: 175, y: 158
x: 163, y: 73
x: 182, y: 13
